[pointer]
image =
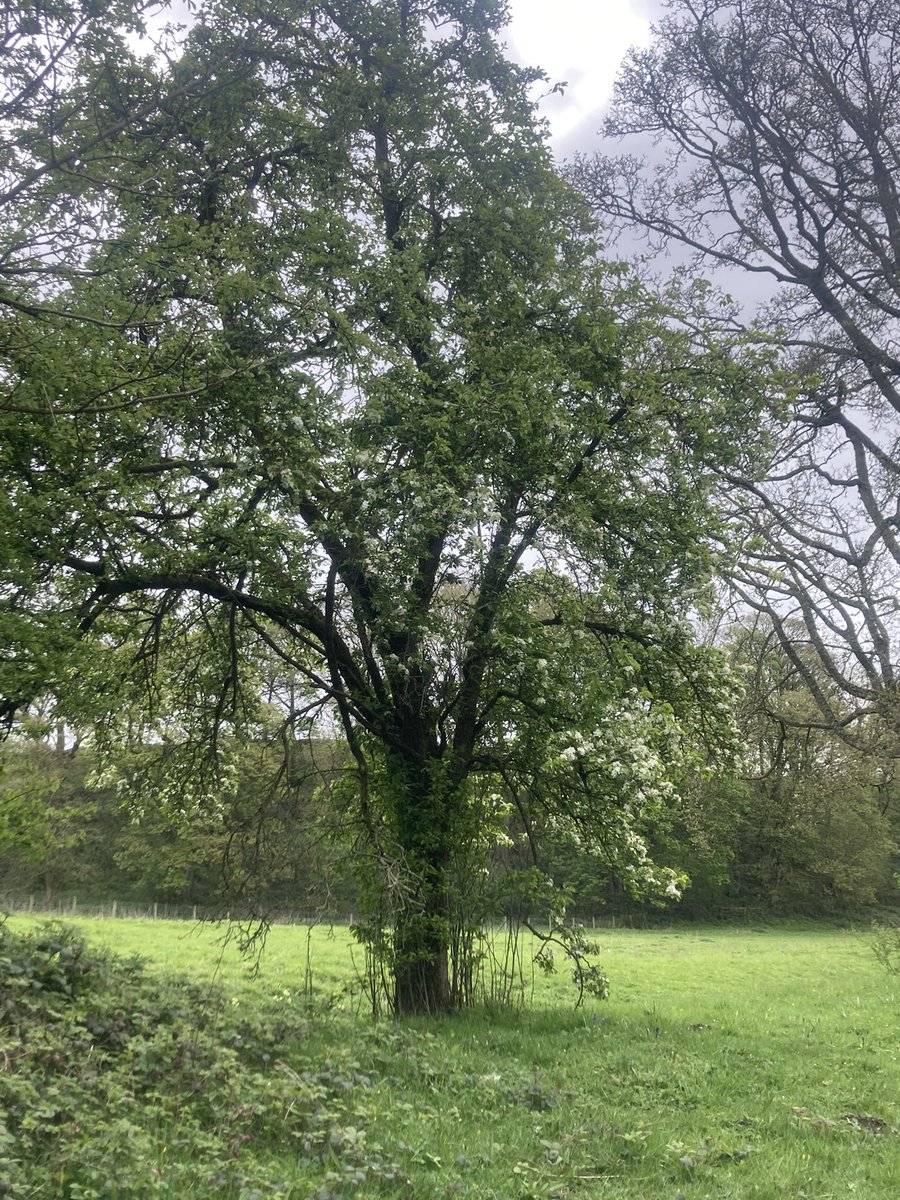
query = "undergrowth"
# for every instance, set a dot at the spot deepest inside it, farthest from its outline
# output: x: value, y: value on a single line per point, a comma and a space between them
x: 121, y: 1083
x: 886, y: 945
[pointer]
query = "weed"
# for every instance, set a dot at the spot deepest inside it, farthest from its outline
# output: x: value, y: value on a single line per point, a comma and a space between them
x: 886, y: 946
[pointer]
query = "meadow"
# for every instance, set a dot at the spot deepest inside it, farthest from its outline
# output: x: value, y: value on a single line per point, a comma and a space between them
x: 727, y: 1063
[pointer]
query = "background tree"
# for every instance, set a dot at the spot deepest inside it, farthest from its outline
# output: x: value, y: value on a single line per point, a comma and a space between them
x: 45, y: 815
x: 814, y: 822
x: 403, y: 433
x: 805, y: 823
x: 777, y: 127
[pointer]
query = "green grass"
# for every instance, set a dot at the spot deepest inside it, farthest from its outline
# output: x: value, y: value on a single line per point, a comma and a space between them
x: 726, y: 1064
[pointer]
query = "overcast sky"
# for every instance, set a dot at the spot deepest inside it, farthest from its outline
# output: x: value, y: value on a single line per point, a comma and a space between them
x: 582, y: 43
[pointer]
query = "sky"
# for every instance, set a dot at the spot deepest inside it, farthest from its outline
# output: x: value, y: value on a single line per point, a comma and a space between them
x: 580, y: 42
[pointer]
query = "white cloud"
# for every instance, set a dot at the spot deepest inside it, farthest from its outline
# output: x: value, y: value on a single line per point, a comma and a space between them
x: 580, y: 42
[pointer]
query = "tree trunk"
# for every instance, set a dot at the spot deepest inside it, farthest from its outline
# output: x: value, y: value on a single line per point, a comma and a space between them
x: 421, y: 963
x: 424, y: 811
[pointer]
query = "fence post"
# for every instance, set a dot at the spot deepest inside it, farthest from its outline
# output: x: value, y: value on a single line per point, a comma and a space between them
x: 154, y: 910
x: 31, y: 903
x: 194, y: 918
x: 114, y: 907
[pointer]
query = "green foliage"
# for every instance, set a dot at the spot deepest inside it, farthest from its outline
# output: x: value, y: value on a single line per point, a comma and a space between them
x: 68, y: 828
x: 47, y: 815
x: 886, y: 945
x: 120, y: 1083
x: 339, y: 422
x: 815, y: 823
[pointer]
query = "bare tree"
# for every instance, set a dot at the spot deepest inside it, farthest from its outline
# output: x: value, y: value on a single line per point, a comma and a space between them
x: 777, y: 132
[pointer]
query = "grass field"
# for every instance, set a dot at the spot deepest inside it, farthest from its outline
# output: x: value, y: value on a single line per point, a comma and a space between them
x: 727, y: 1063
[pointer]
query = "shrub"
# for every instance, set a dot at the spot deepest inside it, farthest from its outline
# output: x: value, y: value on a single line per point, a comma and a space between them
x: 120, y: 1083
x: 886, y: 945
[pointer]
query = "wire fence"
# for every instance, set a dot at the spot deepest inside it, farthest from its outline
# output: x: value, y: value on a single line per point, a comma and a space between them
x: 153, y: 910
x: 71, y: 906
x: 159, y: 910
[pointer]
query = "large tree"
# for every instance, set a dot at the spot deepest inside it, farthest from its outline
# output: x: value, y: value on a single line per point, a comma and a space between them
x: 385, y: 418
x: 776, y: 126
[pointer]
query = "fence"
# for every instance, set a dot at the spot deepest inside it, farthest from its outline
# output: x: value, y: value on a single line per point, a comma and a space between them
x: 70, y: 906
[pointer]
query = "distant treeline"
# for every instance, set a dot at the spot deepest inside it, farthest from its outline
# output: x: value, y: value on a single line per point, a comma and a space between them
x: 816, y: 835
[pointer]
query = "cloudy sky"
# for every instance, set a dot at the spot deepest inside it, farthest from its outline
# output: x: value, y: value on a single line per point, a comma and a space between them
x: 582, y: 43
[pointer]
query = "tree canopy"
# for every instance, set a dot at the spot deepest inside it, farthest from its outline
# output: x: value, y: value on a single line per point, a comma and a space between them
x: 776, y: 125
x: 339, y: 382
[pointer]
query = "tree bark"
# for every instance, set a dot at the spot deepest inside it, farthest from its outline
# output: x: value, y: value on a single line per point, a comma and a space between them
x: 422, y: 958
x: 424, y: 810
